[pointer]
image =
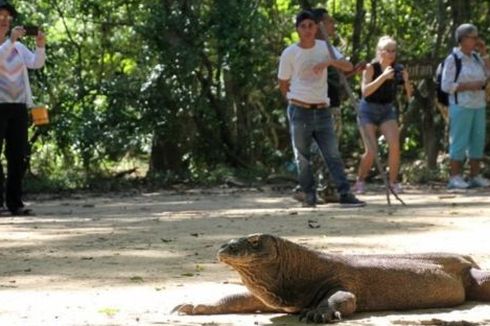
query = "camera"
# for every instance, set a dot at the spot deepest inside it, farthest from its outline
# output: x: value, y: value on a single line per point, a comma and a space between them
x: 398, y: 73
x: 31, y: 30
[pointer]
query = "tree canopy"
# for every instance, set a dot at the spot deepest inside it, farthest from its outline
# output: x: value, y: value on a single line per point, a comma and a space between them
x: 188, y: 88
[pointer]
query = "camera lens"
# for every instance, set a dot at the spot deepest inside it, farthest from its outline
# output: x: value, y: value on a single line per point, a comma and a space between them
x: 398, y: 73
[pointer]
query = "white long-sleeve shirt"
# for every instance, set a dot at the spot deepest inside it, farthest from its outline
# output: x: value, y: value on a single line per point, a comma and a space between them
x: 472, y: 69
x: 15, y: 59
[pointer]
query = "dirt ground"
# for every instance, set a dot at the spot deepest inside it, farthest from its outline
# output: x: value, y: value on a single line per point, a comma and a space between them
x: 128, y: 259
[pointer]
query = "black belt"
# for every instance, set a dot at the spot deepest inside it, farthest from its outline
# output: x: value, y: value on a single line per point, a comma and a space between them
x: 309, y: 106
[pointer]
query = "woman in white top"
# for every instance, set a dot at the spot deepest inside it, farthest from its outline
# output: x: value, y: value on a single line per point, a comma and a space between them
x: 467, y: 105
x: 15, y: 98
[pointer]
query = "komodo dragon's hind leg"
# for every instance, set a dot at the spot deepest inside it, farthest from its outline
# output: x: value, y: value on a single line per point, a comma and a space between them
x: 479, y: 289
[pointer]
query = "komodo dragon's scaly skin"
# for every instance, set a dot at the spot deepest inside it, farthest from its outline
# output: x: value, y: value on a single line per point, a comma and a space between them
x: 282, y: 276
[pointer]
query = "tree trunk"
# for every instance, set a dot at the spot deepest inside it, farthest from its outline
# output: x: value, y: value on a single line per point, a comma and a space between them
x: 461, y: 10
x: 165, y: 155
x: 356, y: 36
x: 373, y: 27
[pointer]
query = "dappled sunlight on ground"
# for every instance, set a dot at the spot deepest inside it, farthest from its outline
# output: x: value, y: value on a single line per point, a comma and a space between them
x: 124, y: 259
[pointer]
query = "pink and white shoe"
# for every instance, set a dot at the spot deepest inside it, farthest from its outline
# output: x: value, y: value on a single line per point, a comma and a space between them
x: 359, y: 187
x: 397, y: 188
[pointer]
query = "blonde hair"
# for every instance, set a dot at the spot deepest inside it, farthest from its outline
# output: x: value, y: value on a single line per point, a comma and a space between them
x: 383, y: 43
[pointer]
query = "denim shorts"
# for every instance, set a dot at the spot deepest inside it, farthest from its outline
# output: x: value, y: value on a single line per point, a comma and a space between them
x: 375, y: 113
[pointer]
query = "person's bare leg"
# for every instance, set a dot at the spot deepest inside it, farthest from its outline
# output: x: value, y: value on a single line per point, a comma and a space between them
x: 392, y: 135
x: 474, y: 168
x: 368, y: 157
x: 455, y: 167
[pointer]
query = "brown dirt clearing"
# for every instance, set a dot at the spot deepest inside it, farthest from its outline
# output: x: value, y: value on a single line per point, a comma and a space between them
x: 128, y: 259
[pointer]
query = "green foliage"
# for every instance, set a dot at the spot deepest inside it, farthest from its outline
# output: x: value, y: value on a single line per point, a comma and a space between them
x: 191, y: 86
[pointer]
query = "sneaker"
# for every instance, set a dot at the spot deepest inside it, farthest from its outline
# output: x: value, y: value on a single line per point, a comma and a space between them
x: 349, y: 200
x: 478, y: 182
x: 457, y: 182
x: 397, y: 188
x: 359, y: 187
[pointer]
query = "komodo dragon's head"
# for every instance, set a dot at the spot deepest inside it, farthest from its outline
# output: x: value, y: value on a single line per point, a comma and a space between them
x: 256, y: 258
x: 270, y: 268
x: 277, y: 271
x: 250, y: 250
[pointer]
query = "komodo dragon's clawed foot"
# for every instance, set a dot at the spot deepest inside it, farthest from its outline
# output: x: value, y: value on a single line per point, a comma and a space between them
x: 198, y: 309
x: 320, y: 315
x: 184, y: 309
x: 190, y: 309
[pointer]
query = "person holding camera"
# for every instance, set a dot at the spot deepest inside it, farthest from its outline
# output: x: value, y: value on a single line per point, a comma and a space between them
x: 15, y: 98
x: 380, y: 81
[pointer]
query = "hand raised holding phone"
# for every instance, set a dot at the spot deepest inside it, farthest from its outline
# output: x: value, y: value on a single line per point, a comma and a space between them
x: 31, y: 30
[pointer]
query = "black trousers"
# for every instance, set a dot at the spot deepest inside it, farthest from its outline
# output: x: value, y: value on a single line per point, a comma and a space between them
x: 13, y: 133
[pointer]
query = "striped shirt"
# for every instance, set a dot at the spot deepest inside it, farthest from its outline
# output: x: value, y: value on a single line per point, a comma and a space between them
x: 12, y: 86
x: 15, y: 59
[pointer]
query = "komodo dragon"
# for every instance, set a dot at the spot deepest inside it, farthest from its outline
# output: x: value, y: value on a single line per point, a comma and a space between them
x: 286, y: 277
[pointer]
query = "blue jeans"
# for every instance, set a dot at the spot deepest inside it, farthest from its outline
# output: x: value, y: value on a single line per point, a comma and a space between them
x: 306, y: 126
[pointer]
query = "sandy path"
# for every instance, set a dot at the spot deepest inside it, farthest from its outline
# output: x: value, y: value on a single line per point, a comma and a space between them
x: 128, y: 259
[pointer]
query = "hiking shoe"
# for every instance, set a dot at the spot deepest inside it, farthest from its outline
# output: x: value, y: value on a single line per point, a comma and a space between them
x: 360, y: 187
x: 478, y: 182
x: 349, y: 200
x: 457, y: 182
x: 397, y: 188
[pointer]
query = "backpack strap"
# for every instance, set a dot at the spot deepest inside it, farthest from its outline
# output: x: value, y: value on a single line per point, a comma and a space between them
x: 477, y: 58
x: 458, y: 63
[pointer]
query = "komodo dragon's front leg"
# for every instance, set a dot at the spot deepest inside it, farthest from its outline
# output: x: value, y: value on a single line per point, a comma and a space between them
x: 336, y: 304
x: 231, y: 304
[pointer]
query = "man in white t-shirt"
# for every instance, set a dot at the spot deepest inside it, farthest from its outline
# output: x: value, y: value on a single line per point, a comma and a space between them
x: 303, y: 82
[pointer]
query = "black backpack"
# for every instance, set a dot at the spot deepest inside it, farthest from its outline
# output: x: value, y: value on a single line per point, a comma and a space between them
x: 443, y: 97
x: 334, y: 88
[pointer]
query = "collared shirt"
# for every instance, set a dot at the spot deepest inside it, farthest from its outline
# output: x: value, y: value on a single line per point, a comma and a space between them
x: 29, y: 60
x: 472, y: 69
x: 296, y: 65
x: 12, y: 87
